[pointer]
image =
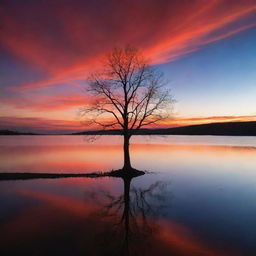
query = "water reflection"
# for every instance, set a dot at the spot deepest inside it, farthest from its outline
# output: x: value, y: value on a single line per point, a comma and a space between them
x: 73, y: 154
x: 100, y: 223
x: 211, y: 213
x: 132, y: 230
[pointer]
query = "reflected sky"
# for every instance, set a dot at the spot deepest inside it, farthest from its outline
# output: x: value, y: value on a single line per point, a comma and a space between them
x: 208, y: 207
x: 76, y: 153
x: 53, y: 218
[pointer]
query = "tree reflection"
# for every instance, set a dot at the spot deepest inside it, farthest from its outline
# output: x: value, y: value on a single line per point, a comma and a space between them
x: 128, y: 218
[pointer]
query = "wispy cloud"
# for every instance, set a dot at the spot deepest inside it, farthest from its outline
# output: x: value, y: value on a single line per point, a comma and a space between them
x: 71, y: 39
x: 48, y: 103
x: 69, y: 42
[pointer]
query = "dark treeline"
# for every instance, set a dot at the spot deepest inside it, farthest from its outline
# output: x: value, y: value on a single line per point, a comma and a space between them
x: 225, y: 129
x: 8, y: 132
x: 228, y: 129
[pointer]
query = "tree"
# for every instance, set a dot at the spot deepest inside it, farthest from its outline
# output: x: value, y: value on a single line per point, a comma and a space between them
x: 129, y: 94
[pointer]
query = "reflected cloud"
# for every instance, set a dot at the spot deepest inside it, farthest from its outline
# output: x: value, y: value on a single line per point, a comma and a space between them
x: 102, y: 223
x: 73, y: 154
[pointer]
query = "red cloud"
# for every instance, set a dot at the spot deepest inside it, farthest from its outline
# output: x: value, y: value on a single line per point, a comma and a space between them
x: 66, y: 40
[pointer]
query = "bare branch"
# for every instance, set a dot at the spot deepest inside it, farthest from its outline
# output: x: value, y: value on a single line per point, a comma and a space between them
x: 129, y: 91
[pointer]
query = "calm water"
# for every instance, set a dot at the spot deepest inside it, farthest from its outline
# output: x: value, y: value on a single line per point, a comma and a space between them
x: 198, y: 199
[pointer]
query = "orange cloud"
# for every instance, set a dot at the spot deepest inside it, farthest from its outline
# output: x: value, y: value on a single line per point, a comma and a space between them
x: 183, y: 121
x: 58, y: 102
x: 64, y: 126
x: 39, y: 124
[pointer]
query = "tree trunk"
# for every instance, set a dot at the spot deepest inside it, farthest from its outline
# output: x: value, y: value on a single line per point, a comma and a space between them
x: 127, y: 161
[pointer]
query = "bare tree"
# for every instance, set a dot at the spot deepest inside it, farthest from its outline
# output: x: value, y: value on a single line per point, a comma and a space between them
x: 129, y: 94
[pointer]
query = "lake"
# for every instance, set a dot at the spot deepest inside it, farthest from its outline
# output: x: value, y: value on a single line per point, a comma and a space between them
x: 198, y: 196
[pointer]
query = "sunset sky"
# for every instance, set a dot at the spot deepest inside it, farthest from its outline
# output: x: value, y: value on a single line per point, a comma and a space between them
x: 206, y: 49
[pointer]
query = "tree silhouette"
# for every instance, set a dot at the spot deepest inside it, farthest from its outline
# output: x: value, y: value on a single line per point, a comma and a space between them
x: 129, y: 94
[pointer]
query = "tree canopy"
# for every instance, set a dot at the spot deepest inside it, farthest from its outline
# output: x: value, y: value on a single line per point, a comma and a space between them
x: 129, y: 93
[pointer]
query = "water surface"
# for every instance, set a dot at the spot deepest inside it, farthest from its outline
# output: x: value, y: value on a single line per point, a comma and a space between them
x: 198, y: 199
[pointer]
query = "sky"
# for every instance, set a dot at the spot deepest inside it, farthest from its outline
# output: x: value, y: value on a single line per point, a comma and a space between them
x: 206, y: 50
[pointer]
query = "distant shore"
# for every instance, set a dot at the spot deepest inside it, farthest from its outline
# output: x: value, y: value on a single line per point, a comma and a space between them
x: 217, y: 129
